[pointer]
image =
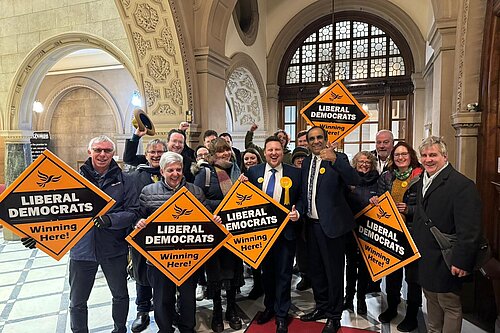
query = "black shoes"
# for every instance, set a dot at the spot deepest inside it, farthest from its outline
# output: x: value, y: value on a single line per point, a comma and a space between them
x: 304, y: 284
x: 233, y: 318
x: 331, y: 326
x: 255, y: 293
x: 313, y: 316
x: 361, y: 307
x: 408, y: 324
x: 388, y: 315
x: 265, y: 316
x: 217, y: 324
x: 281, y: 325
x: 141, y: 322
x: 348, y: 304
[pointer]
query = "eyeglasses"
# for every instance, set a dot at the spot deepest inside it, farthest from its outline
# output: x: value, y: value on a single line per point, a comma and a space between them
x: 364, y: 163
x: 202, y: 155
x: 100, y: 150
x: 156, y: 152
x: 401, y: 155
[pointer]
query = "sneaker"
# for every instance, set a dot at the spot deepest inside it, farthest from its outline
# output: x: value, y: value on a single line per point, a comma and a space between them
x: 201, y: 292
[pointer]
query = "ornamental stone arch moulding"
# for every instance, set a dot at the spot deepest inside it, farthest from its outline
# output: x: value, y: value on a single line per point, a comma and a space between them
x: 68, y: 85
x: 382, y: 8
x: 245, y: 94
x: 30, y: 74
x: 154, y: 31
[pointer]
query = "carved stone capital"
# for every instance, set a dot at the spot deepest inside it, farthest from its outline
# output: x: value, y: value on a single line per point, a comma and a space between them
x: 466, y: 123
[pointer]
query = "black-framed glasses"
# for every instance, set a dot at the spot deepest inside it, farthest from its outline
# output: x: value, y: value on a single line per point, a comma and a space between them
x: 100, y: 150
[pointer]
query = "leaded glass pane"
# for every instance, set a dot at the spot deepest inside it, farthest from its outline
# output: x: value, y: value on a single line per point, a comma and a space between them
x: 377, y: 31
x: 343, y: 30
x: 325, y: 33
x: 399, y: 109
x: 360, y: 69
x: 360, y: 48
x: 342, y: 71
x: 342, y: 50
x: 393, y: 48
x: 369, y: 131
x: 368, y: 147
x: 378, y: 67
x: 325, y: 52
x: 372, y: 109
x: 309, y: 73
x: 290, y: 129
x: 353, y: 136
x: 290, y: 113
x: 292, y: 74
x: 351, y: 149
x: 378, y: 46
x: 324, y: 72
x: 359, y: 29
x: 396, y: 66
x: 296, y: 57
x: 398, y: 129
x: 309, y: 53
x: 311, y: 39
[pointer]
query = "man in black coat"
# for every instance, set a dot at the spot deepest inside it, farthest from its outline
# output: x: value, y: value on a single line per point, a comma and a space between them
x: 278, y: 264
x: 451, y: 201
x: 325, y: 175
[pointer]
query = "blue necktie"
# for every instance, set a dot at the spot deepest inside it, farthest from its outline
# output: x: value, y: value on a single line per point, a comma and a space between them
x: 311, y: 184
x: 270, y: 185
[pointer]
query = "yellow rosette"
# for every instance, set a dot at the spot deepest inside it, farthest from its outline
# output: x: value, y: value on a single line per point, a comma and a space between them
x: 286, y: 183
x: 322, y: 170
x: 260, y: 180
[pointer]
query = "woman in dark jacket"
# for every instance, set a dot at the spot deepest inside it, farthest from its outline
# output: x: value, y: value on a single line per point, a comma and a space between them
x: 403, y: 173
x: 365, y: 164
x: 224, y: 269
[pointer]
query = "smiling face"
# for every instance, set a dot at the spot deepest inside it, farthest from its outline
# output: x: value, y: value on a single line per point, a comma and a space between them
x: 172, y: 173
x: 250, y: 159
x: 316, y: 139
x: 302, y: 141
x: 384, y: 144
x: 176, y: 143
x: 363, y: 164
x: 224, y: 155
x: 432, y: 159
x: 101, y: 154
x: 153, y: 155
x: 273, y: 153
x: 402, y: 158
x: 283, y: 139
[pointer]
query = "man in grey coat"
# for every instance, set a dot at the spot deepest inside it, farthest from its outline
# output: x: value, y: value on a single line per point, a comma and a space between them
x: 450, y: 201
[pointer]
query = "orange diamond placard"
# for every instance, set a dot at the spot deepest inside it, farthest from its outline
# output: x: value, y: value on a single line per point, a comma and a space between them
x: 254, y: 219
x: 53, y: 204
x: 383, y: 239
x: 336, y: 110
x: 179, y: 236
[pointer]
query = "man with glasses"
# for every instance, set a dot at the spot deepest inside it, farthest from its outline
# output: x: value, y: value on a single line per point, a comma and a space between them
x: 325, y: 176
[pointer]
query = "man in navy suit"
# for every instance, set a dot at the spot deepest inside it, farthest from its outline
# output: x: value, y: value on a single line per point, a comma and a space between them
x: 278, y: 264
x: 325, y: 175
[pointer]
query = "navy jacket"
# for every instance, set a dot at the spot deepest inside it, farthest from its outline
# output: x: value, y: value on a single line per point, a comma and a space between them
x: 98, y: 244
x: 257, y: 171
x: 335, y: 215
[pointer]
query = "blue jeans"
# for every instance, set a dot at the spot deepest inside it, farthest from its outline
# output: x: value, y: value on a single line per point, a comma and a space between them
x: 144, y: 296
x: 81, y: 280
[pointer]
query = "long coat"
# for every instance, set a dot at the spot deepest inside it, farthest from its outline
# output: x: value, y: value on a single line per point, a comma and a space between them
x: 452, y: 203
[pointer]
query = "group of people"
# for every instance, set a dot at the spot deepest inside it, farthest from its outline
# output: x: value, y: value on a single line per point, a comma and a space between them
x: 325, y: 193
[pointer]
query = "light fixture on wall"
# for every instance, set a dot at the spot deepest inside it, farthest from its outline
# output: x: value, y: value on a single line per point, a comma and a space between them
x: 38, y: 106
x: 136, y: 99
x: 327, y: 73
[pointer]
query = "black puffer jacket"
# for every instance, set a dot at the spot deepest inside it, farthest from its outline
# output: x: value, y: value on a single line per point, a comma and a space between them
x: 360, y: 195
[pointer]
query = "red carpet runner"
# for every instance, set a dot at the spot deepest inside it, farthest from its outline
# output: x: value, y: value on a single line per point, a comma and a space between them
x: 295, y: 325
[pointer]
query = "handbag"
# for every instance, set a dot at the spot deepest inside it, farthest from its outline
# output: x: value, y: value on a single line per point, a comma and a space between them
x: 484, y: 262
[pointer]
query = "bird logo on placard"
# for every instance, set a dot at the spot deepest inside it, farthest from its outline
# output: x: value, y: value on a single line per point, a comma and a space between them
x: 334, y: 96
x: 382, y: 213
x: 181, y: 212
x: 242, y: 198
x: 45, y: 179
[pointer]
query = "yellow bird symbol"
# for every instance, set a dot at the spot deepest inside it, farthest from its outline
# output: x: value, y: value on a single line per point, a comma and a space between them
x: 45, y: 179
x: 382, y: 213
x: 242, y: 198
x: 180, y: 212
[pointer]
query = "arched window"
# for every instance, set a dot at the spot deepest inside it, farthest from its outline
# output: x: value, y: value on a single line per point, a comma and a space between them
x: 371, y: 58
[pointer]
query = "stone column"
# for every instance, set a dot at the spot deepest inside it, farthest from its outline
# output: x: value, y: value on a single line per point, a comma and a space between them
x: 17, y: 159
x: 466, y: 125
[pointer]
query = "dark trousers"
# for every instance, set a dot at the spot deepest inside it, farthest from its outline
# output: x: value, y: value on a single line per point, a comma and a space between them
x: 301, y: 252
x: 144, y: 296
x: 164, y: 301
x: 81, y: 280
x: 277, y: 276
x: 393, y: 283
x: 326, y: 270
x: 356, y: 270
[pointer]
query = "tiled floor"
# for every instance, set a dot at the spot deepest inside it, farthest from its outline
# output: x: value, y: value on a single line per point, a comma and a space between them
x: 34, y: 297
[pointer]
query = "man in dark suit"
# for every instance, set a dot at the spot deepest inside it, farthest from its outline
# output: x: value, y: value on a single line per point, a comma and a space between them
x: 451, y: 201
x: 325, y: 175
x: 278, y: 264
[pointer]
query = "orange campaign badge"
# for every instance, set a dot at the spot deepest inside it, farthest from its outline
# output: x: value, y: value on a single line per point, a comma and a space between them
x: 336, y: 110
x: 53, y: 204
x: 383, y: 239
x: 254, y: 219
x: 179, y: 236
